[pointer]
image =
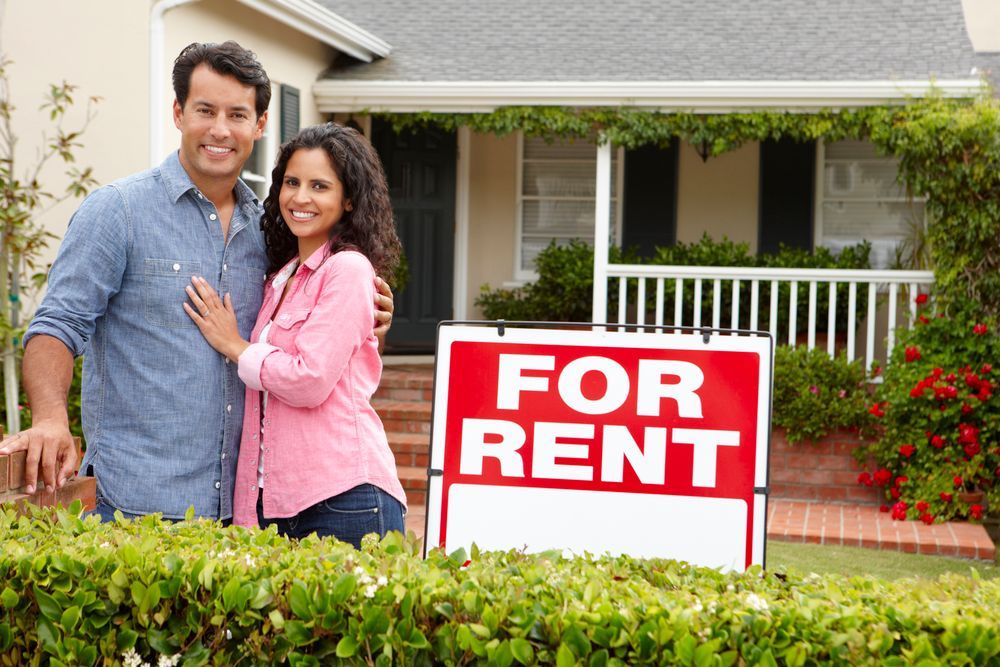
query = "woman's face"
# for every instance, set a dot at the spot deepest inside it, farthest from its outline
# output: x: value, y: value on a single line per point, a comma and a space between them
x: 311, y: 199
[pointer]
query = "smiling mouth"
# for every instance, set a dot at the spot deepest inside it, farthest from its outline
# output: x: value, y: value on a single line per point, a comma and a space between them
x: 217, y: 150
x: 302, y: 216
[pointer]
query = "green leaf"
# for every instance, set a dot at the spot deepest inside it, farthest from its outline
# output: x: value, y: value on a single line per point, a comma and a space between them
x: 298, y: 633
x: 298, y: 600
x: 9, y: 598
x: 343, y: 588
x: 230, y: 591
x: 522, y: 650
x: 70, y: 617
x: 6, y: 637
x: 126, y: 638
x: 47, y: 604
x: 48, y: 636
x: 564, y: 657
x: 347, y: 647
x: 277, y: 620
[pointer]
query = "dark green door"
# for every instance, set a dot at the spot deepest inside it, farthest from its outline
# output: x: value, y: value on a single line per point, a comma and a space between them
x: 420, y: 167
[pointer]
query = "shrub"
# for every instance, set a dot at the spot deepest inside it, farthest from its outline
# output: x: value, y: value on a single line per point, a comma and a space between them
x: 939, y: 420
x: 79, y: 592
x: 815, y: 394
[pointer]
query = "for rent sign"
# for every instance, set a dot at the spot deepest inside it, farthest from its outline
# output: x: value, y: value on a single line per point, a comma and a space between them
x: 649, y: 444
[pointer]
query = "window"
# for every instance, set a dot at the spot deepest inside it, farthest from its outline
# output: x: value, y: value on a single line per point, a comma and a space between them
x: 556, y: 196
x: 860, y: 198
x: 282, y: 124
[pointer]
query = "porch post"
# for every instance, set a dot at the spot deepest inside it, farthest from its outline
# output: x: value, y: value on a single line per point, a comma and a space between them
x: 602, y: 219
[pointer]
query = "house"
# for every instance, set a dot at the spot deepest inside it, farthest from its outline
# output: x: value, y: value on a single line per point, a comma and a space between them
x: 475, y: 208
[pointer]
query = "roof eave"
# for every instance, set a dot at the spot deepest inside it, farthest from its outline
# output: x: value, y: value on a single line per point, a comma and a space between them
x: 318, y: 22
x: 343, y: 95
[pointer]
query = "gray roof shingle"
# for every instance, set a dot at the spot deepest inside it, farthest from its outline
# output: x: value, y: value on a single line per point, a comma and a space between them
x: 661, y: 40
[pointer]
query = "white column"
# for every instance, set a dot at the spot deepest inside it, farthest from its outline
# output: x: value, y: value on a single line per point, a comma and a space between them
x: 158, y: 77
x: 602, y: 221
x: 461, y: 277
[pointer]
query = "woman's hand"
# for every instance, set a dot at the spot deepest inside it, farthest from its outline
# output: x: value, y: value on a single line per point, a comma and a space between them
x: 215, y: 319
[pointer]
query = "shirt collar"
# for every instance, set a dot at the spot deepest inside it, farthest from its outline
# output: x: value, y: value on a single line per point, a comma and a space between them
x: 282, y: 276
x: 177, y: 182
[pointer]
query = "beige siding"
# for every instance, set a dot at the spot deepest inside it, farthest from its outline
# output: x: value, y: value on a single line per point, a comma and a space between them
x: 718, y: 196
x: 982, y: 21
x: 492, y: 198
x: 88, y: 45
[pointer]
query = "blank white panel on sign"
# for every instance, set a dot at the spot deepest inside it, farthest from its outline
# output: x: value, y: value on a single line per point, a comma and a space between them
x: 712, y: 530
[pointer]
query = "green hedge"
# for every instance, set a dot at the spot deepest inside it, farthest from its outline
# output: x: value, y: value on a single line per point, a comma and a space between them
x: 73, y: 591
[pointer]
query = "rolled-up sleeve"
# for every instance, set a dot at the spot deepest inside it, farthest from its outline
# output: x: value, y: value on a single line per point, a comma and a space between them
x: 87, y: 272
x: 339, y: 323
x: 250, y: 362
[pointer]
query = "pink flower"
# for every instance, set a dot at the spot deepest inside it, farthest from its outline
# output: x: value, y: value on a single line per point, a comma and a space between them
x: 842, y: 393
x: 907, y: 450
x: 814, y: 390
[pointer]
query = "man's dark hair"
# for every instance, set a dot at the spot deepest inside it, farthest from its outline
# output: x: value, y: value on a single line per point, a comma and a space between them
x: 228, y: 58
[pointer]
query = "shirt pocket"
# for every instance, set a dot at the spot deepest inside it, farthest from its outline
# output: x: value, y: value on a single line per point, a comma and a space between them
x: 164, y: 283
x: 285, y: 327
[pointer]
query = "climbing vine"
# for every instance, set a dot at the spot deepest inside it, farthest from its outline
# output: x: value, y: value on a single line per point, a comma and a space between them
x: 949, y: 152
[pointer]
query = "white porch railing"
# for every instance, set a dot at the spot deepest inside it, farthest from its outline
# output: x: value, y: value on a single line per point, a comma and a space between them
x: 642, y: 296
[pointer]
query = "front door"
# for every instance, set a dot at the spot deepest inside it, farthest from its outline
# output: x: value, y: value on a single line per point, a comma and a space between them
x: 420, y: 167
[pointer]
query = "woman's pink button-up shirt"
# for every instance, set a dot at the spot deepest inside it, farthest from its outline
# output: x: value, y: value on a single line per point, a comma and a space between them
x: 321, y: 436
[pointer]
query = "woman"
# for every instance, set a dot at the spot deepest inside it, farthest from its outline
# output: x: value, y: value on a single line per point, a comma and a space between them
x: 314, y: 456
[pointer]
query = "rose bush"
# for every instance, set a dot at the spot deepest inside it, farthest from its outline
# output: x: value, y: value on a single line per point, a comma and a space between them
x: 937, y: 454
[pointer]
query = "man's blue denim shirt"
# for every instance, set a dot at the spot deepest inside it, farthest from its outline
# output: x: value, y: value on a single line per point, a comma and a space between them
x: 162, y: 410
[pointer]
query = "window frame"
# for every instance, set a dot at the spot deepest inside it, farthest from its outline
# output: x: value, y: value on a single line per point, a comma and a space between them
x: 269, y: 143
x: 522, y: 275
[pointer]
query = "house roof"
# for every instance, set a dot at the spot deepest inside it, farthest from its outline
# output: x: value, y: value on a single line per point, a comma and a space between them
x: 557, y: 44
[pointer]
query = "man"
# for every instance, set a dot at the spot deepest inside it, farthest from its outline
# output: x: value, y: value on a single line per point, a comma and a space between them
x: 162, y: 411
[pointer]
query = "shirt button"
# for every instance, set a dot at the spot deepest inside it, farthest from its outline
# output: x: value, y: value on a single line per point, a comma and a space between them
x: 218, y: 485
x: 225, y: 267
x: 284, y: 317
x: 223, y: 456
x: 212, y: 217
x: 176, y: 267
x: 254, y: 436
x: 229, y: 408
x: 227, y: 359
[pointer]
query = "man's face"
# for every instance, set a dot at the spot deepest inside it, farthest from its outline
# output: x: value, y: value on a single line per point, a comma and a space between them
x: 218, y: 126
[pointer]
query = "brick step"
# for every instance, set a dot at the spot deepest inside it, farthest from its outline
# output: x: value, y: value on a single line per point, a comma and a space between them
x: 414, y: 482
x: 406, y: 383
x: 78, y: 488
x: 404, y: 416
x: 410, y: 449
x: 12, y: 471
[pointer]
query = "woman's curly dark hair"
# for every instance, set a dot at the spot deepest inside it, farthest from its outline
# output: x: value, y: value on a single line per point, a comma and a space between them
x: 368, y: 227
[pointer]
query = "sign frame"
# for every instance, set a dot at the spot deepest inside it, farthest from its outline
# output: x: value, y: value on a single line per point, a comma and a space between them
x: 500, y: 331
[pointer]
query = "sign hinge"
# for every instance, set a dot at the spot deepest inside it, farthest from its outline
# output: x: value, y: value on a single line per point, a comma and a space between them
x: 434, y: 472
x: 766, y: 490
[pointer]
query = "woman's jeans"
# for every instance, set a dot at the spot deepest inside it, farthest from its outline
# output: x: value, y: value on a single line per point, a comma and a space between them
x: 348, y: 516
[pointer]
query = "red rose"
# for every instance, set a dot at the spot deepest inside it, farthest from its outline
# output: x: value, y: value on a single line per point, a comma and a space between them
x: 950, y: 391
x: 986, y: 368
x: 921, y: 506
x: 902, y: 479
x: 923, y: 319
x: 985, y: 391
x: 876, y: 410
x: 917, y: 391
x: 894, y: 492
x: 967, y: 433
x: 945, y: 496
x: 921, y: 299
x: 980, y: 329
x: 972, y: 380
x: 927, y: 518
x: 937, y: 372
x: 907, y: 450
x: 950, y: 377
x: 937, y: 441
x: 899, y: 511
x: 865, y: 479
x: 883, y: 508
x: 976, y: 511
x: 957, y: 481
x: 971, y: 450
x: 966, y: 408
x: 912, y: 353
x: 882, y: 476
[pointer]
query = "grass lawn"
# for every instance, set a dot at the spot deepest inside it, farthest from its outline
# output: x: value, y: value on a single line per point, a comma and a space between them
x: 849, y: 561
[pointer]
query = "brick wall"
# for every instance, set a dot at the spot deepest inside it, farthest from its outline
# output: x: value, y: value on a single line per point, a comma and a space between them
x: 824, y: 470
x: 12, y: 486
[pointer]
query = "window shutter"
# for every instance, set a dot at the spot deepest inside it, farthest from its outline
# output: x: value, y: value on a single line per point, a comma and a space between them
x: 289, y: 112
x: 787, y: 171
x: 650, y: 206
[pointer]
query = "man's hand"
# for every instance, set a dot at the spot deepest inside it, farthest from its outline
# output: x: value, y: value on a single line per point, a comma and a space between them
x: 50, y: 448
x: 383, y: 311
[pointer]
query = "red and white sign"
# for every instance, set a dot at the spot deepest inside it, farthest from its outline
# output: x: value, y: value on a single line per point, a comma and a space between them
x: 648, y: 444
